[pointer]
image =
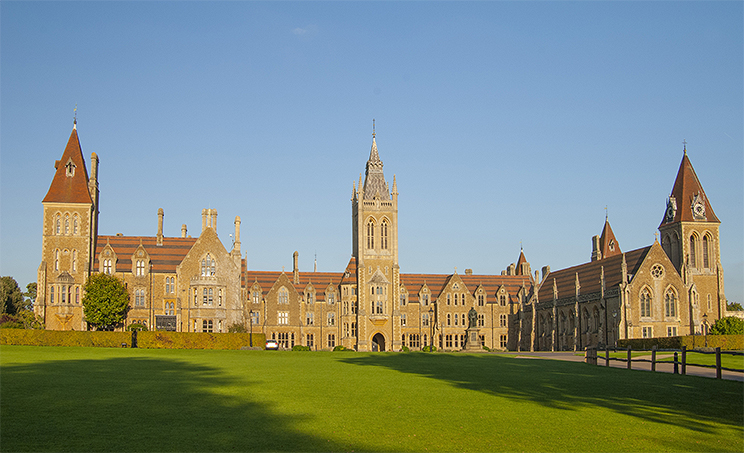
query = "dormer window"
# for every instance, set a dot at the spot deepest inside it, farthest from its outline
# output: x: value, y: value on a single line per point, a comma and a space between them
x: 140, y: 268
x: 70, y: 168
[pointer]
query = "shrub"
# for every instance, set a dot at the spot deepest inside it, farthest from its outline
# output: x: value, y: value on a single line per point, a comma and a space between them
x: 197, y: 340
x: 10, y: 322
x: 405, y: 349
x: 730, y: 325
x: 486, y: 348
x: 137, y: 326
x: 299, y: 347
x: 342, y: 348
x: 430, y: 348
x: 725, y: 342
x: 237, y: 328
x: 64, y: 338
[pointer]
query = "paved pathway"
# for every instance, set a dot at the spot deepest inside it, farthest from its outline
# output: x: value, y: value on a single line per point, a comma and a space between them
x: 646, y: 366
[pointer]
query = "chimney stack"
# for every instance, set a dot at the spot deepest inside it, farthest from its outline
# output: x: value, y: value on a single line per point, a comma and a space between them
x: 296, y: 267
x: 183, y: 230
x: 236, y: 246
x: 160, y: 226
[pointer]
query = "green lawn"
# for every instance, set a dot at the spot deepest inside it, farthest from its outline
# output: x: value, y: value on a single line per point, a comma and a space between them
x: 95, y: 399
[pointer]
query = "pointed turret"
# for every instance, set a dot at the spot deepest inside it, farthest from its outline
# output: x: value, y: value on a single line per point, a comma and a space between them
x: 523, y: 267
x: 608, y: 244
x: 374, y: 180
x: 70, y: 183
x: 688, y: 201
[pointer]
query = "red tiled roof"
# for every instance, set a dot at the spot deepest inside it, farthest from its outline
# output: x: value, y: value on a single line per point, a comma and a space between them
x: 319, y: 280
x: 686, y: 186
x: 491, y: 284
x: 590, y: 275
x: 165, y: 258
x: 607, y: 237
x: 70, y: 189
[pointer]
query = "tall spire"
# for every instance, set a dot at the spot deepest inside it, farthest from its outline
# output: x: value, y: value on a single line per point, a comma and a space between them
x: 70, y: 183
x: 688, y: 201
x: 374, y: 181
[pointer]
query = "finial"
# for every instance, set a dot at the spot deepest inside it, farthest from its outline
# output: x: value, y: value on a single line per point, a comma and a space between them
x: 656, y: 237
x: 607, y: 213
x: 74, y: 119
x: 373, y: 128
x: 521, y: 249
x: 684, y: 143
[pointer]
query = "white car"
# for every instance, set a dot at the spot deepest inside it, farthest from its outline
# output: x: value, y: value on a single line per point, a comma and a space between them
x: 272, y: 345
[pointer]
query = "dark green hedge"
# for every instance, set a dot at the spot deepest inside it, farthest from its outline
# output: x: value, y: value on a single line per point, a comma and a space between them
x: 65, y: 338
x: 725, y: 342
x: 198, y: 340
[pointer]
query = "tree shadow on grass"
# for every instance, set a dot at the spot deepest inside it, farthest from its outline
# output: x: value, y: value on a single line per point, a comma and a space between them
x: 689, y: 402
x: 139, y: 404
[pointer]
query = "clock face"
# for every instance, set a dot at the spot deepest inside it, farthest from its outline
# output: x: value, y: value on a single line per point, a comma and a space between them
x: 670, y: 213
x: 699, y: 209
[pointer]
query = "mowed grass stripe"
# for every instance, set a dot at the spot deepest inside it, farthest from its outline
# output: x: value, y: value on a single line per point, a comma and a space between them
x: 95, y: 399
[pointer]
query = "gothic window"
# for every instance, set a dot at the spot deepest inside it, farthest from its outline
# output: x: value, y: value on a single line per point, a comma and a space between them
x: 283, y: 317
x: 462, y: 316
x: 502, y: 300
x: 371, y: 234
x: 207, y: 296
x: 309, y: 318
x: 645, y: 303
x: 481, y: 320
x: 481, y: 300
x: 657, y: 271
x: 56, y: 260
x: 67, y: 223
x: 63, y: 293
x: 449, y: 299
x: 283, y: 295
x: 693, y: 251
x: 256, y: 297
x: 425, y: 319
x: 449, y: 319
x: 51, y: 295
x: 379, y: 307
x: 57, y: 223
x: 107, y: 266
x: 426, y: 299
x: 75, y: 225
x: 457, y: 319
x: 353, y: 329
x: 710, y: 305
x: 503, y: 341
x: 402, y: 300
x: 140, y: 268
x: 331, y: 319
x: 670, y: 304
x: 139, y: 297
x: 456, y: 298
x: 706, y: 246
x: 384, y: 235
x: 170, y: 308
x: 207, y: 325
x: 310, y: 298
x: 502, y: 320
x: 77, y: 294
x: 74, y: 261
x: 310, y: 340
x: 219, y: 299
x: 331, y: 298
x: 208, y: 265
x: 403, y: 319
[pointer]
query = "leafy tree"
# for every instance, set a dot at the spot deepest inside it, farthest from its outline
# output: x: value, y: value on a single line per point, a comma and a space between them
x: 730, y: 325
x: 30, y: 296
x: 106, y: 301
x: 734, y: 306
x: 11, y: 297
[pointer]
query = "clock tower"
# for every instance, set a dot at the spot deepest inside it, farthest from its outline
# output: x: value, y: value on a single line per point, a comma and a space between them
x: 375, y: 246
x: 690, y: 237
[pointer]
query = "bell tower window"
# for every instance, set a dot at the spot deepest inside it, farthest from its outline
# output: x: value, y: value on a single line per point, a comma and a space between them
x: 384, y: 235
x: 371, y: 235
x: 693, y: 251
x: 706, y: 246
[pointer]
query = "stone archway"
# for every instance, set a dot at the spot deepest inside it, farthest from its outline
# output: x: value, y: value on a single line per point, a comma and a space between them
x: 378, y: 342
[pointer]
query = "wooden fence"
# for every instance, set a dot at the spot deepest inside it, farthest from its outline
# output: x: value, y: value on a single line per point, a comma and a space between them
x: 680, y: 364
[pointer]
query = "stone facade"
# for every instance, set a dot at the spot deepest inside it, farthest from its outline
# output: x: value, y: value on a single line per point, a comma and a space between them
x: 196, y: 285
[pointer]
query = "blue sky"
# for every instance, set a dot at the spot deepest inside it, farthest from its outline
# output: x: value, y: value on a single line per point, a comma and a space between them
x: 504, y: 122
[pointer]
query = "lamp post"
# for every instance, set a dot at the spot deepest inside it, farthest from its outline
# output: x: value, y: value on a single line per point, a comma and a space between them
x: 431, y: 325
x: 250, y: 336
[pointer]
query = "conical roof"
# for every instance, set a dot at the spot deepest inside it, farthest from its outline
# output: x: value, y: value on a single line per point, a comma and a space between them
x: 608, y: 244
x: 70, y: 183
x: 688, y: 193
x: 374, y: 180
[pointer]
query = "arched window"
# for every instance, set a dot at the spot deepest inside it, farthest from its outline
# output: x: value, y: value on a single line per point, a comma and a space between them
x: 371, y: 234
x: 502, y: 300
x: 706, y: 245
x: 75, y: 225
x: 481, y: 300
x: 675, y: 250
x: 456, y: 297
x: 57, y: 224
x: 693, y: 251
x: 449, y: 299
x: 384, y: 235
x: 77, y: 294
x: 107, y: 266
x: 74, y: 261
x: 449, y: 319
x: 140, y: 268
x: 56, y: 260
x: 208, y: 266
x: 645, y: 303
x: 256, y: 297
x: 67, y: 223
x: 283, y: 295
x: 51, y: 295
x: 670, y: 304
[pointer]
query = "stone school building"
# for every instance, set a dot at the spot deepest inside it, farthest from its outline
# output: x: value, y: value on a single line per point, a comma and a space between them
x: 195, y: 284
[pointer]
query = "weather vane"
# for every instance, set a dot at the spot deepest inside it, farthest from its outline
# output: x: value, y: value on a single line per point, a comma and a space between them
x: 74, y: 111
x: 684, y: 142
x: 373, y: 128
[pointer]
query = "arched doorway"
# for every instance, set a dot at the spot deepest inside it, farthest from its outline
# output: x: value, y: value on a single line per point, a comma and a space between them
x: 378, y: 342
